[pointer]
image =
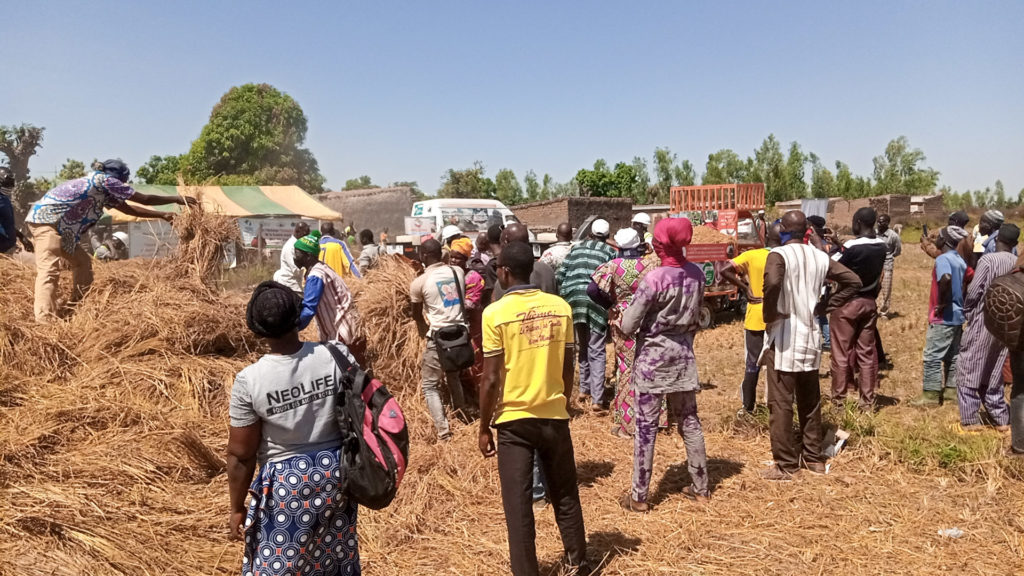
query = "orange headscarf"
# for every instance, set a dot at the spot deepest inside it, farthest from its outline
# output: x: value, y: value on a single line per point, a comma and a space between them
x: 463, y: 246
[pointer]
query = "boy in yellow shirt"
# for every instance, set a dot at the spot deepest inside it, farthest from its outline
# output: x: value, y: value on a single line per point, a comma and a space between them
x: 750, y: 265
x: 527, y: 341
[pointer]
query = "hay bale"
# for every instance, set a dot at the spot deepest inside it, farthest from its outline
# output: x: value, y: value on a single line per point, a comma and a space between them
x: 394, y: 344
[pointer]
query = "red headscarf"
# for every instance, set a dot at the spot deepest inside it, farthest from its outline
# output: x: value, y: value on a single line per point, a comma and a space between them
x: 671, y: 235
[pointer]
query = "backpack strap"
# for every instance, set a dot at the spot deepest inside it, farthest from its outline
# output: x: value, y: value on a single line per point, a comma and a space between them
x: 462, y: 297
x: 344, y: 365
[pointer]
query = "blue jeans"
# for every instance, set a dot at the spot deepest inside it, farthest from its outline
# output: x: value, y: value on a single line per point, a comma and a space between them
x: 590, y: 352
x: 941, y: 345
x: 826, y: 334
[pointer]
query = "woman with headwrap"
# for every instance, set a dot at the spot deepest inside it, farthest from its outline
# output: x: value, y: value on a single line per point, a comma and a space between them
x: 58, y: 220
x: 284, y: 428
x: 612, y: 287
x: 664, y: 317
x: 461, y: 250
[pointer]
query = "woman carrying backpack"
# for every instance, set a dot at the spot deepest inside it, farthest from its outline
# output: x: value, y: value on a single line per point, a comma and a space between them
x: 284, y: 412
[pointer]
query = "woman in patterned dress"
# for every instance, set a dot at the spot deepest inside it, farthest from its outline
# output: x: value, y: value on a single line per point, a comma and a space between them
x: 613, y: 286
x: 284, y: 429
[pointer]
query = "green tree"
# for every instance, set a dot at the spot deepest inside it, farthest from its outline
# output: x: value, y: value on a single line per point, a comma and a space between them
x: 19, y: 144
x: 566, y: 189
x: 983, y: 198
x: 468, y: 183
x: 532, y: 186
x: 966, y: 200
x: 850, y: 186
x: 160, y: 170
x: 639, y: 191
x: 507, y: 187
x: 625, y: 181
x: 950, y: 200
x: 823, y: 183
x: 664, y: 171
x: 724, y: 167
x: 361, y: 183
x: 70, y: 170
x: 793, y: 184
x: 254, y: 136
x: 1020, y: 196
x: 899, y: 170
x: 545, y: 188
x: 596, y: 182
x: 683, y: 174
x: 999, y: 196
x: 769, y: 168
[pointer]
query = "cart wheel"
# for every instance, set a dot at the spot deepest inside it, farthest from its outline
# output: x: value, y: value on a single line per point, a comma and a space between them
x: 707, y: 317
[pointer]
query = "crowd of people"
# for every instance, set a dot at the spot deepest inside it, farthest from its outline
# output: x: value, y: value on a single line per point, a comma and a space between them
x: 507, y: 335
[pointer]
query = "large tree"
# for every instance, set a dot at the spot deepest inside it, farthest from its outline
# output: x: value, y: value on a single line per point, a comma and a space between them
x: 507, y: 188
x: 468, y: 183
x: 531, y: 186
x: 900, y: 170
x: 254, y: 136
x: 725, y: 167
x: 668, y: 172
x: 642, y: 183
x: 769, y: 167
x: 793, y: 184
x: 19, y: 144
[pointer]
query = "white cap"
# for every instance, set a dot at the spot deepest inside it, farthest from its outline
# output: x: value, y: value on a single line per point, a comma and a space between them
x: 122, y: 237
x: 627, y: 238
x: 450, y: 231
x: 600, y: 227
x: 643, y: 218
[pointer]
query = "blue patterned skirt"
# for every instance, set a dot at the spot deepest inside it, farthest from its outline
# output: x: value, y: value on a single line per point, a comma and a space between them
x: 299, y: 521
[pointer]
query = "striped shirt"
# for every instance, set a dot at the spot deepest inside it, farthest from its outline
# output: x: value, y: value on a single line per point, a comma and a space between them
x: 327, y: 298
x: 574, y: 275
x: 793, y: 280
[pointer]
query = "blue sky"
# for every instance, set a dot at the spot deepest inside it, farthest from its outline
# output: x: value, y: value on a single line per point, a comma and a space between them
x: 405, y: 90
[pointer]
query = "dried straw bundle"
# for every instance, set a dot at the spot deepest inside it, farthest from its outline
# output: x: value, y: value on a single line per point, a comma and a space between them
x: 383, y: 303
x: 201, y: 236
x: 705, y: 235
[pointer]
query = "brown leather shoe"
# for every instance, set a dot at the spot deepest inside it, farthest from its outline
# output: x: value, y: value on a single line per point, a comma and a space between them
x: 631, y: 505
x: 814, y: 467
x: 776, y: 474
x: 692, y: 494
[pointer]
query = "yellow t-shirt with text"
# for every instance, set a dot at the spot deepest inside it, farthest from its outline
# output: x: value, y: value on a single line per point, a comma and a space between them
x: 532, y: 329
x: 751, y: 263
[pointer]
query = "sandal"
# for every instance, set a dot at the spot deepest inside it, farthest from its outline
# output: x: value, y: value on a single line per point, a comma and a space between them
x: 692, y: 494
x: 631, y: 505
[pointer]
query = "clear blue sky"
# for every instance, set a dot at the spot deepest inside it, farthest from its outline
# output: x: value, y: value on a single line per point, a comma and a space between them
x: 405, y: 90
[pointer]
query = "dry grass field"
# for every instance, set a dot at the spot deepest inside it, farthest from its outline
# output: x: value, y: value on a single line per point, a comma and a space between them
x: 112, y: 427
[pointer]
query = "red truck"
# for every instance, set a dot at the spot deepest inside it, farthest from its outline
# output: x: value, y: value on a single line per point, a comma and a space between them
x: 734, y: 210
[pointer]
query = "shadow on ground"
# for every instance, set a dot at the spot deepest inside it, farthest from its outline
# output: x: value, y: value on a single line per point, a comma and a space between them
x: 589, y: 471
x: 677, y: 477
x: 602, y: 548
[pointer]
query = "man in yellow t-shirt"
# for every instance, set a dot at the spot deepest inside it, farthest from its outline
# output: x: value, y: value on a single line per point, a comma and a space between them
x: 335, y: 253
x: 527, y: 341
x: 747, y: 272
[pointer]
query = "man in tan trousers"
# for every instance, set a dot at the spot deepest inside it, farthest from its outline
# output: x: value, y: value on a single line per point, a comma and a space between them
x: 58, y: 220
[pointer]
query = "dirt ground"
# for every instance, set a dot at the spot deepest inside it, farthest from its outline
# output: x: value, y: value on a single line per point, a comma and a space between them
x: 878, y: 511
x: 111, y: 466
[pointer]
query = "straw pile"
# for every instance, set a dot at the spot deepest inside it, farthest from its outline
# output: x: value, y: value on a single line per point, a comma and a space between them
x: 113, y: 427
x: 705, y: 235
x: 201, y: 236
x: 395, y: 346
x: 112, y: 422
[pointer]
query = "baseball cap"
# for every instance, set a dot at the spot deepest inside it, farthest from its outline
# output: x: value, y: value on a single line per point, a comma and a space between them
x: 643, y: 218
x: 122, y: 237
x: 600, y: 227
x: 627, y: 238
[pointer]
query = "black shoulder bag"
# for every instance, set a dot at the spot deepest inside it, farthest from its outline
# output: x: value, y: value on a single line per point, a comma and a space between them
x: 454, y: 347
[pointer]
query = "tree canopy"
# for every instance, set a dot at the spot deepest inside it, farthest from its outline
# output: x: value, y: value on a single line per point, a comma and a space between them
x: 360, y: 183
x: 254, y: 136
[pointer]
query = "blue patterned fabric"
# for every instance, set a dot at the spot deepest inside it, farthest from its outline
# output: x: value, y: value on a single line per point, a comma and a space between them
x: 74, y: 206
x: 299, y: 521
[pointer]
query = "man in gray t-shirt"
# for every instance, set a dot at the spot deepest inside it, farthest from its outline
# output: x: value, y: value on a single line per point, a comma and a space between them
x: 294, y: 396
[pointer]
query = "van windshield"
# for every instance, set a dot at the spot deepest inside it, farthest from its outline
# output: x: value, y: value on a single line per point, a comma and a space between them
x: 471, y: 219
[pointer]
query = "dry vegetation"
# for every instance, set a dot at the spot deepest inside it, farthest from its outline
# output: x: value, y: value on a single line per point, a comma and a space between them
x: 113, y: 426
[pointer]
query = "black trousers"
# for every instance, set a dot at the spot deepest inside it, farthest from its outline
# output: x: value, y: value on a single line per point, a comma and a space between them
x: 517, y: 442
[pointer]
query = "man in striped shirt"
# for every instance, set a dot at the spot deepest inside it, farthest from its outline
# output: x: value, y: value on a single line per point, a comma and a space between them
x: 793, y: 278
x: 326, y: 297
x: 589, y: 319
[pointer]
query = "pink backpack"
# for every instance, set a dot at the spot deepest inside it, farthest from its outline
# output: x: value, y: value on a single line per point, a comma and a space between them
x: 375, y: 439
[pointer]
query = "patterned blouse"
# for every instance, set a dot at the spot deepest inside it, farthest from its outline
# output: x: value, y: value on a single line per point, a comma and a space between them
x: 74, y: 206
x: 620, y: 278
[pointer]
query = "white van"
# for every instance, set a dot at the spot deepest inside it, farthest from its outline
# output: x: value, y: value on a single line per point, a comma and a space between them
x: 470, y: 215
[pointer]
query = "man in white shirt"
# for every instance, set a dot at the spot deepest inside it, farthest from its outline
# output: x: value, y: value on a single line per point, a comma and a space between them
x: 437, y: 301
x: 289, y: 274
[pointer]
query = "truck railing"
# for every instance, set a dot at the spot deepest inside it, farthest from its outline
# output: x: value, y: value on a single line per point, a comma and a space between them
x: 717, y: 197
